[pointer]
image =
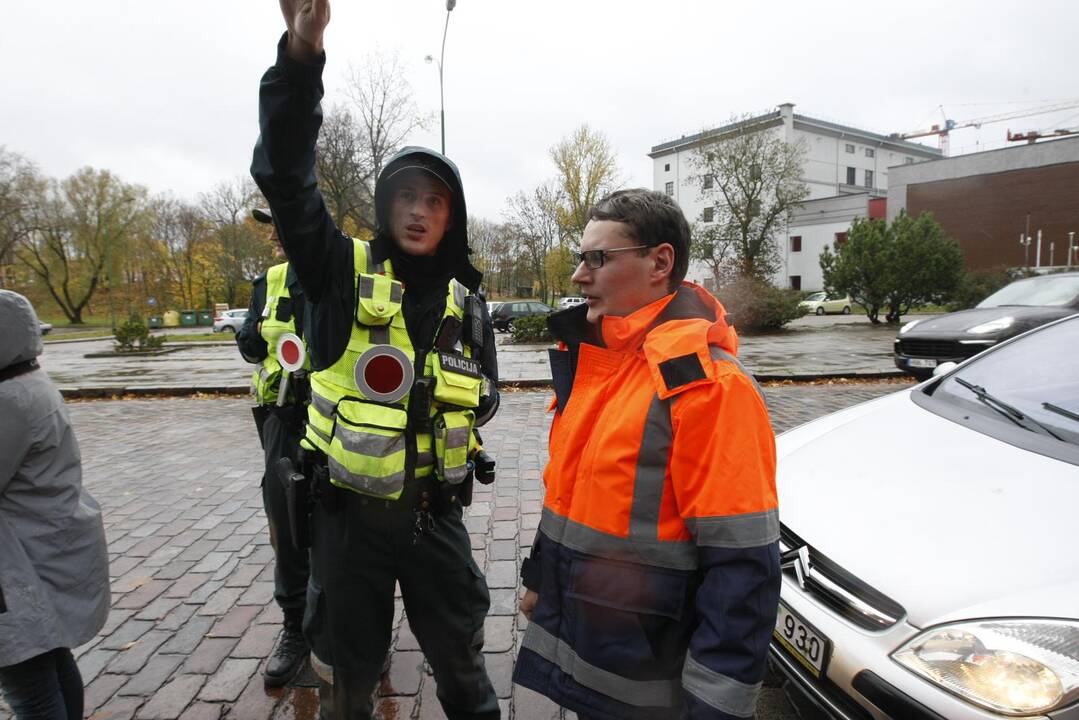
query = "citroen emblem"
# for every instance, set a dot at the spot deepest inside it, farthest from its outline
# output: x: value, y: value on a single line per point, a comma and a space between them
x: 797, y: 558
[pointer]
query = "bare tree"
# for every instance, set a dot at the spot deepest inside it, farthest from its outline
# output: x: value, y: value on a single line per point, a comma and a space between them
x: 242, y: 252
x: 20, y: 184
x: 587, y: 170
x: 534, y: 223
x: 753, y: 177
x: 345, y: 179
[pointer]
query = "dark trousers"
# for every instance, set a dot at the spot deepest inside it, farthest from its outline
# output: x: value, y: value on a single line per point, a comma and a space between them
x: 45, y: 687
x: 280, y: 438
x: 360, y: 549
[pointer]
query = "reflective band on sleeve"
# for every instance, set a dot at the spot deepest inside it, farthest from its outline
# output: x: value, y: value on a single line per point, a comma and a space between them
x: 673, y: 554
x: 736, y: 531
x: 719, y: 691
x: 324, y: 407
x: 719, y: 353
x: 639, y: 693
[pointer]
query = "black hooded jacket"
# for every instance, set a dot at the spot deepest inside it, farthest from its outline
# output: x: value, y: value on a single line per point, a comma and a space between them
x: 283, y: 166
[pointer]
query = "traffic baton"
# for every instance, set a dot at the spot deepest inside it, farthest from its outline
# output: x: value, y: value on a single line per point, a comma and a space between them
x: 291, y: 356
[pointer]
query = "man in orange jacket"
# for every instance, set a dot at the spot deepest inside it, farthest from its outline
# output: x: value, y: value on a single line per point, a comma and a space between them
x: 654, y: 579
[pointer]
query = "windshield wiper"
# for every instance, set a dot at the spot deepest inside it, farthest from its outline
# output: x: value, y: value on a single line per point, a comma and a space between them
x: 1061, y: 411
x: 1012, y: 413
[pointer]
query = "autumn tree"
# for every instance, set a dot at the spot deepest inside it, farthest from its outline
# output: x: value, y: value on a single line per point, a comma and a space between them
x: 80, y: 227
x: 241, y: 251
x: 587, y: 171
x: 20, y: 184
x: 752, y: 179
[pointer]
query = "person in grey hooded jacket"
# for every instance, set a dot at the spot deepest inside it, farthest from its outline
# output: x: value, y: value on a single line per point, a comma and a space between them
x: 54, y: 566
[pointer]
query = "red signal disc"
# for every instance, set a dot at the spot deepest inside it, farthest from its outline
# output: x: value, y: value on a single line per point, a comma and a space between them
x: 290, y: 353
x: 384, y: 374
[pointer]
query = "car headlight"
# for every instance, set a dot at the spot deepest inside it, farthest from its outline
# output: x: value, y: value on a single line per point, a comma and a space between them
x: 992, y: 326
x: 903, y: 330
x: 1010, y: 666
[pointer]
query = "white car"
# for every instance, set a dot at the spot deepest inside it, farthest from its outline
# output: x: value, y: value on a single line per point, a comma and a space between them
x: 230, y: 320
x: 820, y: 303
x: 569, y: 301
x: 927, y: 543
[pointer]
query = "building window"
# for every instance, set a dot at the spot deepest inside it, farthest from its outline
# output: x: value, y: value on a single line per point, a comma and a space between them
x: 908, y: 161
x: 667, y: 167
x: 708, y: 215
x: 796, y: 243
x: 840, y: 239
x: 869, y: 178
x: 850, y: 176
x: 709, y: 181
x: 669, y: 188
x: 870, y: 152
x: 796, y: 282
x: 850, y: 148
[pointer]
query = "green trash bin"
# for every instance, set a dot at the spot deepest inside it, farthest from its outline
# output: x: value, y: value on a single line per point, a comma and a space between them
x: 154, y: 322
x: 188, y: 318
x: 206, y: 317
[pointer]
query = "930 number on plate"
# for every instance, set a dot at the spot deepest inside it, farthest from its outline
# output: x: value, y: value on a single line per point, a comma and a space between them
x: 801, y: 640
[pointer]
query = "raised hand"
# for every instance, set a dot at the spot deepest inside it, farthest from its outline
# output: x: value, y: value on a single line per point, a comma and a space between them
x: 306, y: 21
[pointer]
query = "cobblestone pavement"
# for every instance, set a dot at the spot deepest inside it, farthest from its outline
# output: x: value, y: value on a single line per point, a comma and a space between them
x: 193, y: 618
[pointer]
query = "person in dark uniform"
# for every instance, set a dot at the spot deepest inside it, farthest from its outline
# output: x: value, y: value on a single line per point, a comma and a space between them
x: 403, y: 372
x: 277, y: 307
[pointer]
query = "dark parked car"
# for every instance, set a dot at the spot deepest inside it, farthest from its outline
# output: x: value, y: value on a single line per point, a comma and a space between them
x: 507, y: 312
x: 922, y: 345
x: 44, y: 327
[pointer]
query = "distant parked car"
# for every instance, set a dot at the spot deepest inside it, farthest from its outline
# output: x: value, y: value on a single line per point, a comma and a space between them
x: 922, y: 345
x: 570, y: 301
x: 504, y: 316
x: 492, y: 306
x: 45, y: 327
x: 821, y: 303
x: 230, y: 320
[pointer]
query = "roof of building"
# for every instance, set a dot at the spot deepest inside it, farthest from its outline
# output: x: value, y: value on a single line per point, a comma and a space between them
x: 771, y: 117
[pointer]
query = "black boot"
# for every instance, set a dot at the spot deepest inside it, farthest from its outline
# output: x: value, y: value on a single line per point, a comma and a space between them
x: 288, y: 657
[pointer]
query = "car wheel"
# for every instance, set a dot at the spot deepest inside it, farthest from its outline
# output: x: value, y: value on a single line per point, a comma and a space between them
x: 820, y: 311
x: 509, y: 326
x: 228, y: 328
x: 846, y: 309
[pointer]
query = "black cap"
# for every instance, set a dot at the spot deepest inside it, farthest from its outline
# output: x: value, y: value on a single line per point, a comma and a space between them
x: 263, y: 215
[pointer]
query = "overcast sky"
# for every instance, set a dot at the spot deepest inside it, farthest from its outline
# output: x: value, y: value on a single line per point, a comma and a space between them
x: 164, y: 92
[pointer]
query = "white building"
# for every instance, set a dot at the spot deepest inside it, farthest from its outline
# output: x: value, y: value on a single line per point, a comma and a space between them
x: 839, y: 161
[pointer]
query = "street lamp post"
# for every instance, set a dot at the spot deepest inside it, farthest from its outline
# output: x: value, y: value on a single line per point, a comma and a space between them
x: 450, y: 4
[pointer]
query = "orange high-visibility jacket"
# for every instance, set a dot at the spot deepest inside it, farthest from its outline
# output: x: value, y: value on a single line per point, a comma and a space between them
x: 656, y: 560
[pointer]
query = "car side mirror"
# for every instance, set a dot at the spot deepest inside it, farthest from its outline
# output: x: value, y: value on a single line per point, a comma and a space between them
x: 944, y: 368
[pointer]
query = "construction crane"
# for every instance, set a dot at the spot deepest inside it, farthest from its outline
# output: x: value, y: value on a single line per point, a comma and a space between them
x: 943, y: 131
x: 1033, y: 135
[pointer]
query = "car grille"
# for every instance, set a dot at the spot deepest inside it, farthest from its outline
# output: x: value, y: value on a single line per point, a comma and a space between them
x: 835, y: 587
x: 938, y: 349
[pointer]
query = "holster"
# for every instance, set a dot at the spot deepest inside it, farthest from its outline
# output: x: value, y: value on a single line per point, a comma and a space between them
x: 298, y: 499
x: 260, y: 412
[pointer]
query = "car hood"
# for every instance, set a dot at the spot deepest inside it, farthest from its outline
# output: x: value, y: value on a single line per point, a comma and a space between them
x: 948, y: 522
x: 1026, y: 317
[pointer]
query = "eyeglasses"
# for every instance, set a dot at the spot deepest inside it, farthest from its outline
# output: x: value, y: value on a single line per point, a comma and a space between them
x: 594, y: 259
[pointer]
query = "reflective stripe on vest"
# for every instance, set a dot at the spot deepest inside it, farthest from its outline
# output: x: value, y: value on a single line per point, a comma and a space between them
x: 267, y: 376
x: 365, y: 441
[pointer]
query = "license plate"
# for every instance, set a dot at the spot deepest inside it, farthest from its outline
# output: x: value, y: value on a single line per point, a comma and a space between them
x: 922, y: 362
x: 802, y: 640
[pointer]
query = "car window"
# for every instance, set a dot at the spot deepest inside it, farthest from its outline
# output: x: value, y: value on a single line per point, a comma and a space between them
x: 1028, y: 374
x: 518, y: 307
x: 815, y: 297
x: 1047, y: 290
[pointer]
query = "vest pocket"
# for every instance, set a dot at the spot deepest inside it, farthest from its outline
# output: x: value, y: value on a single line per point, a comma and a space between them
x: 453, y: 436
x: 378, y: 299
x: 367, y: 449
x: 458, y: 379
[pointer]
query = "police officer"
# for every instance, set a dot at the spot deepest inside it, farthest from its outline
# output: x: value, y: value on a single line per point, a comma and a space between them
x: 277, y: 306
x: 403, y: 371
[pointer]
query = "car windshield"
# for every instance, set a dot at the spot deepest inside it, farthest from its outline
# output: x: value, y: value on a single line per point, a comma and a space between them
x: 815, y: 297
x: 1038, y: 376
x: 1046, y: 290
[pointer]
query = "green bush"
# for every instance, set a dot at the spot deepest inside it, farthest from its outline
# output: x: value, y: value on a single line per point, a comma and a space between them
x: 753, y: 304
x: 133, y: 335
x: 531, y: 329
x: 977, y: 285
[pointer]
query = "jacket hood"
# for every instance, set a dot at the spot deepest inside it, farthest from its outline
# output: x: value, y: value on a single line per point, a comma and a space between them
x: 453, y: 251
x: 19, y: 330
